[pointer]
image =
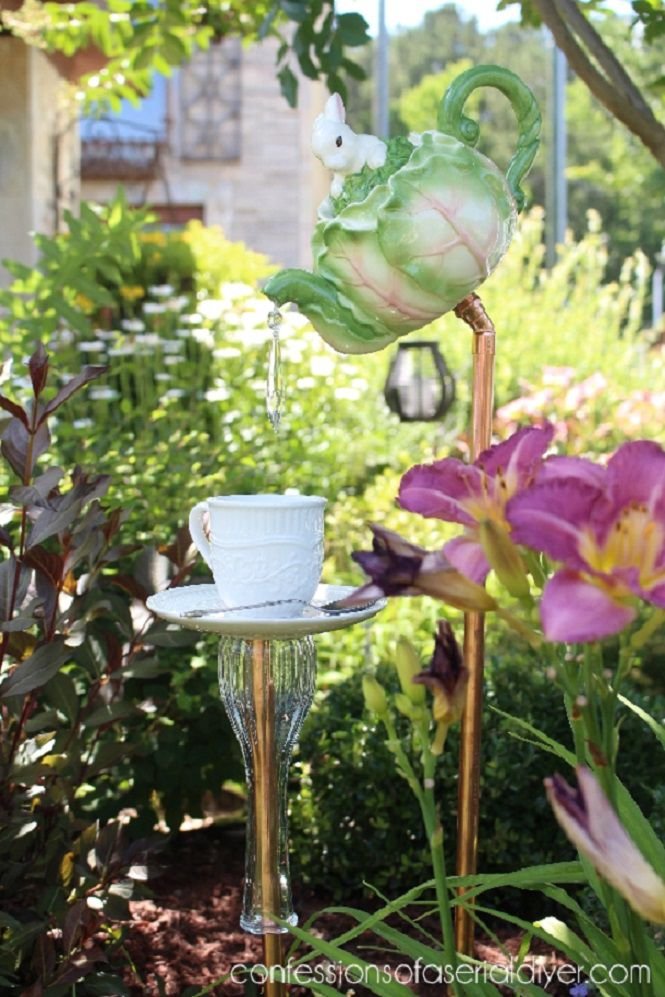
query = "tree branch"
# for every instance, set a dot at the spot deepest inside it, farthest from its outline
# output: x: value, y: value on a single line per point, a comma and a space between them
x: 640, y: 120
x: 604, y: 56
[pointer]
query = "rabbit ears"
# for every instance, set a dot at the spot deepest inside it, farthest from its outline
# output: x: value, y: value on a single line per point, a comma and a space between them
x: 334, y: 109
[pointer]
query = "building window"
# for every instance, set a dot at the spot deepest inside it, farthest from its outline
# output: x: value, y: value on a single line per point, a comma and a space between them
x: 210, y: 103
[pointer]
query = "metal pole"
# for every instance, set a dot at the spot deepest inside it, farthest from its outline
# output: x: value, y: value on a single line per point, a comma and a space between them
x: 657, y: 296
x: 381, y: 119
x: 266, y: 810
x: 471, y: 311
x: 557, y: 191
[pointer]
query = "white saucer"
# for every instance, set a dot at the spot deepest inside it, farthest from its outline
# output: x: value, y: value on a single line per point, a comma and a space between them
x: 175, y: 604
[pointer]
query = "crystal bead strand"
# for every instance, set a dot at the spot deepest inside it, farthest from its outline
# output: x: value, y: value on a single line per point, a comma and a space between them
x: 274, y: 380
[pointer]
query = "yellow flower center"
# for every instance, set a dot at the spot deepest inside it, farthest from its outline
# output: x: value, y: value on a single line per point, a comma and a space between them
x: 491, y: 504
x: 635, y: 541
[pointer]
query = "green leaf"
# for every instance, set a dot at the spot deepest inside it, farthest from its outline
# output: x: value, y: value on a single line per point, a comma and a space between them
x: 267, y: 23
x: 383, y: 988
x: 144, y: 57
x: 145, y: 668
x: 295, y: 10
x: 109, y: 713
x: 567, y: 944
x: 105, y: 985
x: 323, y: 988
x: 602, y: 945
x: 61, y: 693
x: 173, y: 49
x: 161, y: 635
x: 352, y: 29
x: 288, y: 85
x: 636, y: 824
x: 36, y: 670
x: 567, y: 938
x: 108, y: 755
x: 656, y: 961
x: 355, y: 71
x: 530, y: 877
x: 654, y: 725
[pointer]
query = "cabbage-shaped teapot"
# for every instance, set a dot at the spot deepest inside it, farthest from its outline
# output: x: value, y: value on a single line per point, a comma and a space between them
x: 401, y: 243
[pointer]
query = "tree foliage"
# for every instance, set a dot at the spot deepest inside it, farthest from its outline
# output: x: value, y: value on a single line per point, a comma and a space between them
x: 141, y: 37
x: 580, y: 37
x: 607, y: 165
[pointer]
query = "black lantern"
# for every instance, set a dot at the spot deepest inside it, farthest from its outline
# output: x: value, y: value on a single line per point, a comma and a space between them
x: 420, y: 387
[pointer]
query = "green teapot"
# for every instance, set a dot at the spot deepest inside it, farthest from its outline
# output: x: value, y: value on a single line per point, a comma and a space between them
x: 410, y: 229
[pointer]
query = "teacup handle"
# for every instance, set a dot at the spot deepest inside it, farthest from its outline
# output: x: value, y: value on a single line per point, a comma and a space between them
x: 197, y: 532
x: 451, y: 120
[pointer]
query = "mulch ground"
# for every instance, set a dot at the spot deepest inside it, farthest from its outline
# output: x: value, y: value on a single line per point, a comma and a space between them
x: 188, y: 934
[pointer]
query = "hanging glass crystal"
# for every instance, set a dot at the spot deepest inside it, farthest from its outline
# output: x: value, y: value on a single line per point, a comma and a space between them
x: 267, y: 687
x: 274, y: 379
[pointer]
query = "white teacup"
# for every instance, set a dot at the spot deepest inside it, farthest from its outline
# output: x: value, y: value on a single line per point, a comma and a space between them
x: 261, y: 548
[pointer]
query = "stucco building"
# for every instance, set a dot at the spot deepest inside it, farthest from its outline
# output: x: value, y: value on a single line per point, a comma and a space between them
x: 216, y: 141
x: 39, y: 149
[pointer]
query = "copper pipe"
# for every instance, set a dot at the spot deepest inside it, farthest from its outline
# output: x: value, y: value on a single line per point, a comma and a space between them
x: 273, y: 955
x: 471, y: 311
x: 266, y: 809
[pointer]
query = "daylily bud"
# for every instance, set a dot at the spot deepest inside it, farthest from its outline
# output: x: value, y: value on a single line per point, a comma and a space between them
x: 439, y: 738
x: 408, y: 665
x: 592, y: 824
x: 446, y: 677
x: 455, y: 589
x: 408, y: 708
x: 504, y: 557
x: 376, y: 700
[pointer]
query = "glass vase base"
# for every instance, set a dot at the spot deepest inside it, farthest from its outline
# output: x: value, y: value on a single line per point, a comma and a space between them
x: 260, y: 925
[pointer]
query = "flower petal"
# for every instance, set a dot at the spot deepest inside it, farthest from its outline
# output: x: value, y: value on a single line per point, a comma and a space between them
x: 636, y: 474
x: 548, y: 517
x: 466, y: 554
x: 574, y: 610
x: 655, y: 595
x: 366, y: 593
x: 387, y: 541
x: 573, y: 467
x: 440, y: 490
x: 516, y: 456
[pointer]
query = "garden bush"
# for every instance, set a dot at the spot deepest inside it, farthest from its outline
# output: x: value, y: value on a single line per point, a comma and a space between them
x: 91, y: 700
x: 180, y: 414
x: 567, y: 316
x: 354, y: 821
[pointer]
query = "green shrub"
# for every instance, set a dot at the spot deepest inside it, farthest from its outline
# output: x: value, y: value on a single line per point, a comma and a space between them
x: 353, y: 820
x: 568, y: 316
x: 219, y: 261
x: 92, y: 702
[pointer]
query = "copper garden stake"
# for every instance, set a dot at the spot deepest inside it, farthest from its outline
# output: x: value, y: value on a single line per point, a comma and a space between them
x: 266, y: 812
x: 471, y: 311
x: 366, y: 289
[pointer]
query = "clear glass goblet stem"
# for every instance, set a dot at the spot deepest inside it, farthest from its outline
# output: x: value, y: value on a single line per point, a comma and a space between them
x: 267, y: 687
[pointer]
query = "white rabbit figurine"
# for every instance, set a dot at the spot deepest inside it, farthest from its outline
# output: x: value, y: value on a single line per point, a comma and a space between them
x: 339, y: 148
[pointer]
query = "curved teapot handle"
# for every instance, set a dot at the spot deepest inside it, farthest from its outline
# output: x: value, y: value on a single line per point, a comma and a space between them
x: 451, y: 120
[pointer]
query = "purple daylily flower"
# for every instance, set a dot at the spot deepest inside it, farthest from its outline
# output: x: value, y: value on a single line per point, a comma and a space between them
x: 470, y: 494
x: 446, y: 677
x: 606, y: 526
x: 589, y: 820
x: 397, y: 567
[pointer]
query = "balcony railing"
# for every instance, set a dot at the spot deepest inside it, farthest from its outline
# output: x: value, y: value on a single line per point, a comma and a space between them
x: 120, y: 158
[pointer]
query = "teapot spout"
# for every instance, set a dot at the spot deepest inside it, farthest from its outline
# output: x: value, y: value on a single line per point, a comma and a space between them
x: 320, y: 301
